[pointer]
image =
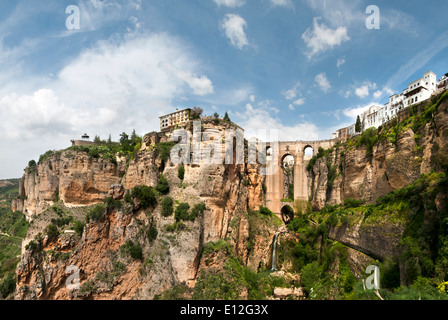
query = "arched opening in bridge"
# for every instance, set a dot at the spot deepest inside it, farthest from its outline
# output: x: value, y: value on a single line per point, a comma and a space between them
x: 308, y: 153
x: 287, y: 214
x: 288, y: 163
x: 269, y: 153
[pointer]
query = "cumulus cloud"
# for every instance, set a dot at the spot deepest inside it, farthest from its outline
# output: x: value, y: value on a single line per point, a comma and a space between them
x: 364, y: 91
x: 115, y: 86
x: 259, y: 122
x: 322, y: 82
x: 233, y: 26
x: 353, y: 112
x: 321, y: 38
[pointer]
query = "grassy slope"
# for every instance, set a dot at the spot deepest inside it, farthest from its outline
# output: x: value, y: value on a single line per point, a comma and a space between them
x: 13, y: 227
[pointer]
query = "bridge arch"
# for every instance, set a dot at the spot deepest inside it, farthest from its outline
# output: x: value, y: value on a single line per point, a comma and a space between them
x: 287, y: 214
x: 302, y: 152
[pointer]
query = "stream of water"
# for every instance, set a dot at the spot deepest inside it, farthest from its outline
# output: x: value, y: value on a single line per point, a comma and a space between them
x: 274, y: 253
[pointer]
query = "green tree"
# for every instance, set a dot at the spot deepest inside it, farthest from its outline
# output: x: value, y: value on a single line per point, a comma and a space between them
x: 181, y: 172
x: 167, y: 206
x: 358, y: 126
x: 181, y: 212
x: 145, y: 194
x: 226, y: 117
x: 162, y: 185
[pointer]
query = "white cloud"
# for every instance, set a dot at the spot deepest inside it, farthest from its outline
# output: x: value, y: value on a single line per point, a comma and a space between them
x: 322, y: 82
x: 377, y: 94
x: 340, y: 62
x: 253, y: 119
x: 291, y: 93
x: 229, y: 3
x: 282, y: 3
x: 321, y: 38
x: 233, y: 26
x: 364, y: 91
x: 353, y: 112
x: 115, y: 86
x: 299, y: 102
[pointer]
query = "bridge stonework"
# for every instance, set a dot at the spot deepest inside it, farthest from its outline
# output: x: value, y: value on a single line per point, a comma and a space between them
x: 274, y: 182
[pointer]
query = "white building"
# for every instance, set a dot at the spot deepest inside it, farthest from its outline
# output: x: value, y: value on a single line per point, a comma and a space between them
x: 421, y: 89
x: 442, y: 84
x: 417, y: 91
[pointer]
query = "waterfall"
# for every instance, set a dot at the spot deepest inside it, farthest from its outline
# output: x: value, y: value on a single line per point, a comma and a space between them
x: 274, y: 253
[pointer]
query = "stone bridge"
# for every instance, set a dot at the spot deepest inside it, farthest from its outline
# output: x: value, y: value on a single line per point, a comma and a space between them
x: 275, y: 199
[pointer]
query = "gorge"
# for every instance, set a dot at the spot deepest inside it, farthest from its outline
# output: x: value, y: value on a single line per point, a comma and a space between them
x: 138, y: 226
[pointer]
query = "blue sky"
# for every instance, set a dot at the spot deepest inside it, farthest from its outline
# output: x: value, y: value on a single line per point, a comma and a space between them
x: 303, y: 67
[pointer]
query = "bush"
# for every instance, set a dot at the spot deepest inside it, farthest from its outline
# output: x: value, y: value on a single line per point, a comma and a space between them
x: 132, y: 249
x: 128, y: 198
x: 112, y: 204
x: 162, y: 185
x: 78, y: 227
x: 152, y: 233
x: 52, y: 231
x: 197, y: 210
x: 181, y: 172
x: 167, y: 206
x: 145, y: 194
x: 164, y: 149
x: 96, y: 213
x: 181, y: 212
x: 8, y: 286
x: 177, y: 226
x: 265, y: 211
x: 353, y: 203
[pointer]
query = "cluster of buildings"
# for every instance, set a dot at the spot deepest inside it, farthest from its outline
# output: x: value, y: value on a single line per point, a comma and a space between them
x: 417, y: 91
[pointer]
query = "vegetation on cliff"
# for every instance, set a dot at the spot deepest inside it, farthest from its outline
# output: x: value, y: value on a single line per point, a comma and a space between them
x: 418, y: 268
x: 13, y: 228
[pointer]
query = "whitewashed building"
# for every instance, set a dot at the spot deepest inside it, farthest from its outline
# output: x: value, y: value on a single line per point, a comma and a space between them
x: 417, y: 91
x: 420, y: 89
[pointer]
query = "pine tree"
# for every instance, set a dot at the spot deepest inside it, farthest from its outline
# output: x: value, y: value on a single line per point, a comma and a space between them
x: 226, y: 117
x: 358, y: 125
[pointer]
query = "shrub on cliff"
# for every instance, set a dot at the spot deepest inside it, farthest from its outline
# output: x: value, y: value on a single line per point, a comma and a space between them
x: 265, y: 211
x: 167, y: 206
x: 181, y: 212
x: 52, y: 231
x: 132, y: 249
x: 162, y: 185
x: 145, y: 194
x: 181, y: 172
x: 96, y: 213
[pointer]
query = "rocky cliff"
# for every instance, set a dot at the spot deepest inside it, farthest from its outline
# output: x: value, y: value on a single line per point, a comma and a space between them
x: 368, y: 167
x: 380, y: 161
x: 72, y: 184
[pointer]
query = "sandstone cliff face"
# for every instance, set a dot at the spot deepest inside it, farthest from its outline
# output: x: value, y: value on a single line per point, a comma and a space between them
x: 228, y: 191
x: 73, y: 177
x: 390, y: 166
x: 349, y: 172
